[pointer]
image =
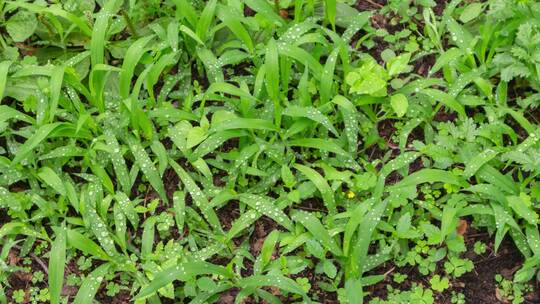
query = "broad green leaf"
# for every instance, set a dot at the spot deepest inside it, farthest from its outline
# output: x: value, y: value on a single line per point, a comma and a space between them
x: 147, y: 238
x: 350, y: 119
x: 214, y: 141
x: 303, y: 57
x: 330, y: 7
x: 403, y: 225
x: 7, y: 113
x: 21, y: 25
x: 56, y: 11
x: 327, y: 78
x: 99, y: 228
x: 447, y: 58
x: 399, y: 103
x: 459, y: 35
x: 398, y: 64
x: 399, y: 162
x: 471, y: 11
x: 212, y: 65
x: 179, y: 206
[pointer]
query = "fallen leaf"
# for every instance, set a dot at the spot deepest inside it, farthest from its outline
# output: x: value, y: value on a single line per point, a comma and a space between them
x: 462, y: 227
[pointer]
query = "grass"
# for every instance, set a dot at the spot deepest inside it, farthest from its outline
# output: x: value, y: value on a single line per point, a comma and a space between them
x: 269, y: 151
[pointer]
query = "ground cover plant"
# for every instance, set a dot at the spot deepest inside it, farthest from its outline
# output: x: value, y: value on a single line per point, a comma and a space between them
x: 254, y: 151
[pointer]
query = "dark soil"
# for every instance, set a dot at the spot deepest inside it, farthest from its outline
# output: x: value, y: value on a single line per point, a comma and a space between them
x: 478, y: 286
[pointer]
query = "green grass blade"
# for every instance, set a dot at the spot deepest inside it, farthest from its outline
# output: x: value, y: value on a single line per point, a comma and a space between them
x: 279, y: 281
x: 303, y: 57
x: 321, y: 184
x: 181, y: 272
x: 429, y: 176
x: 32, y: 142
x: 214, y: 141
x: 52, y: 179
x: 85, y: 244
x: 327, y: 78
x: 265, y: 207
x: 445, y: 99
x: 319, y: 232
x: 57, y: 263
x: 205, y: 20
x: 90, y: 285
x: 244, y: 123
x: 57, y: 11
x: 4, y: 69
x: 265, y: 9
x: 212, y: 65
x: 199, y: 198
x: 131, y: 59
x: 365, y: 233
x: 320, y: 144
x: 179, y: 206
x: 271, y: 65
x: 232, y: 20
x: 147, y: 167
x: 7, y: 113
x: 330, y: 8
x: 472, y: 166
x: 313, y: 114
x: 57, y: 78
x: 117, y: 159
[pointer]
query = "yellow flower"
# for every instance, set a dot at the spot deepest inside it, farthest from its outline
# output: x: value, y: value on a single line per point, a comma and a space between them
x: 350, y: 194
